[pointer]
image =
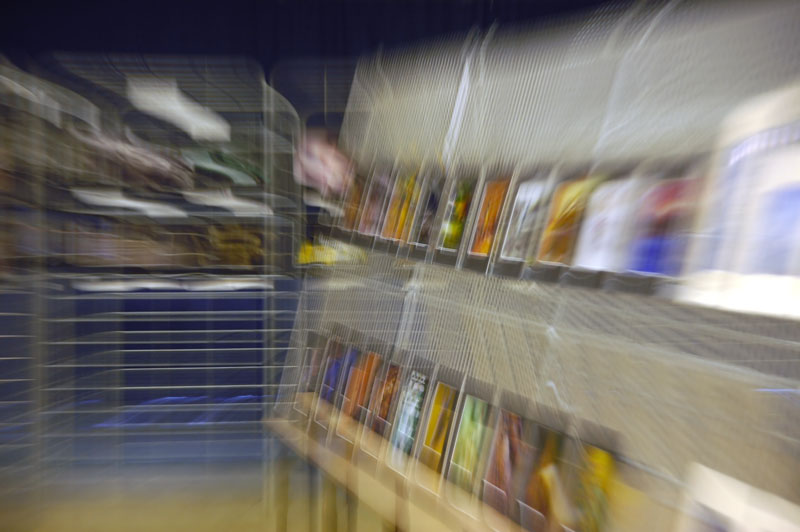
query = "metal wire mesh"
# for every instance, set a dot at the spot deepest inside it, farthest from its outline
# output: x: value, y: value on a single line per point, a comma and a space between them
x: 17, y: 392
x: 132, y: 338
x: 678, y: 389
x: 174, y: 375
x: 626, y: 83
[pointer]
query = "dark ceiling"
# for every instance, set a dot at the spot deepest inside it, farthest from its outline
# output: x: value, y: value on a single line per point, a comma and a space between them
x: 268, y: 31
x: 305, y: 44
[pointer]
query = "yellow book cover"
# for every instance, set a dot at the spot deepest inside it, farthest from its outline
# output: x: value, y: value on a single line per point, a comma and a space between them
x: 444, y: 403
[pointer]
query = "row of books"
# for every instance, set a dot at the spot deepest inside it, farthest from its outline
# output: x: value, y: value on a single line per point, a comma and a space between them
x: 633, y: 219
x: 723, y: 225
x: 455, y: 436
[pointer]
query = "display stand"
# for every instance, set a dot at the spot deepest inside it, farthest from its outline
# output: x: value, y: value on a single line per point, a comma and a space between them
x: 677, y: 384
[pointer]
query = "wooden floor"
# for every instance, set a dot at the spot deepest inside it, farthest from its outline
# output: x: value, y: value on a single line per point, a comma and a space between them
x: 237, y: 502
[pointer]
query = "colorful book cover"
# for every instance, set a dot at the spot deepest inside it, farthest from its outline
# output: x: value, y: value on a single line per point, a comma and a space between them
x: 662, y: 223
x: 458, y: 209
x: 404, y: 198
x: 442, y: 410
x: 428, y: 214
x: 371, y: 214
x: 608, y: 225
x: 511, y: 452
x: 358, y: 383
x: 489, y: 216
x: 472, y: 430
x: 333, y: 366
x: 537, y: 507
x: 384, y: 396
x: 410, y: 409
x: 590, y: 496
x: 564, y: 221
x: 528, y: 206
x: 409, y: 211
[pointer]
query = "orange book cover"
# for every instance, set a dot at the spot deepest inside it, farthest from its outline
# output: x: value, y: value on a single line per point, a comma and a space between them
x: 489, y: 217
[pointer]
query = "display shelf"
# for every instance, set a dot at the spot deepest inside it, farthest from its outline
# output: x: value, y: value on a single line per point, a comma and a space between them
x: 677, y: 382
x: 407, y: 500
x: 387, y: 492
x: 608, y: 92
x: 538, y: 272
x: 163, y: 287
x: 180, y: 371
x: 18, y: 399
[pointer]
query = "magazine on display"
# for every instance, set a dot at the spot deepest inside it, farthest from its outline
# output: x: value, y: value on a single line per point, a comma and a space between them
x: 409, y: 411
x: 401, y: 207
x: 587, y: 474
x: 331, y: 368
x: 429, y: 209
x: 570, y: 483
x: 469, y: 443
x: 512, y: 450
x: 526, y: 216
x: 332, y: 365
x: 338, y: 365
x: 488, y: 221
x: 542, y: 489
x: 564, y: 220
x: 437, y: 431
x: 355, y: 396
x: 662, y: 227
x: 385, y: 394
x: 358, y: 384
x: 455, y: 218
x: 352, y: 357
x: 608, y: 225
